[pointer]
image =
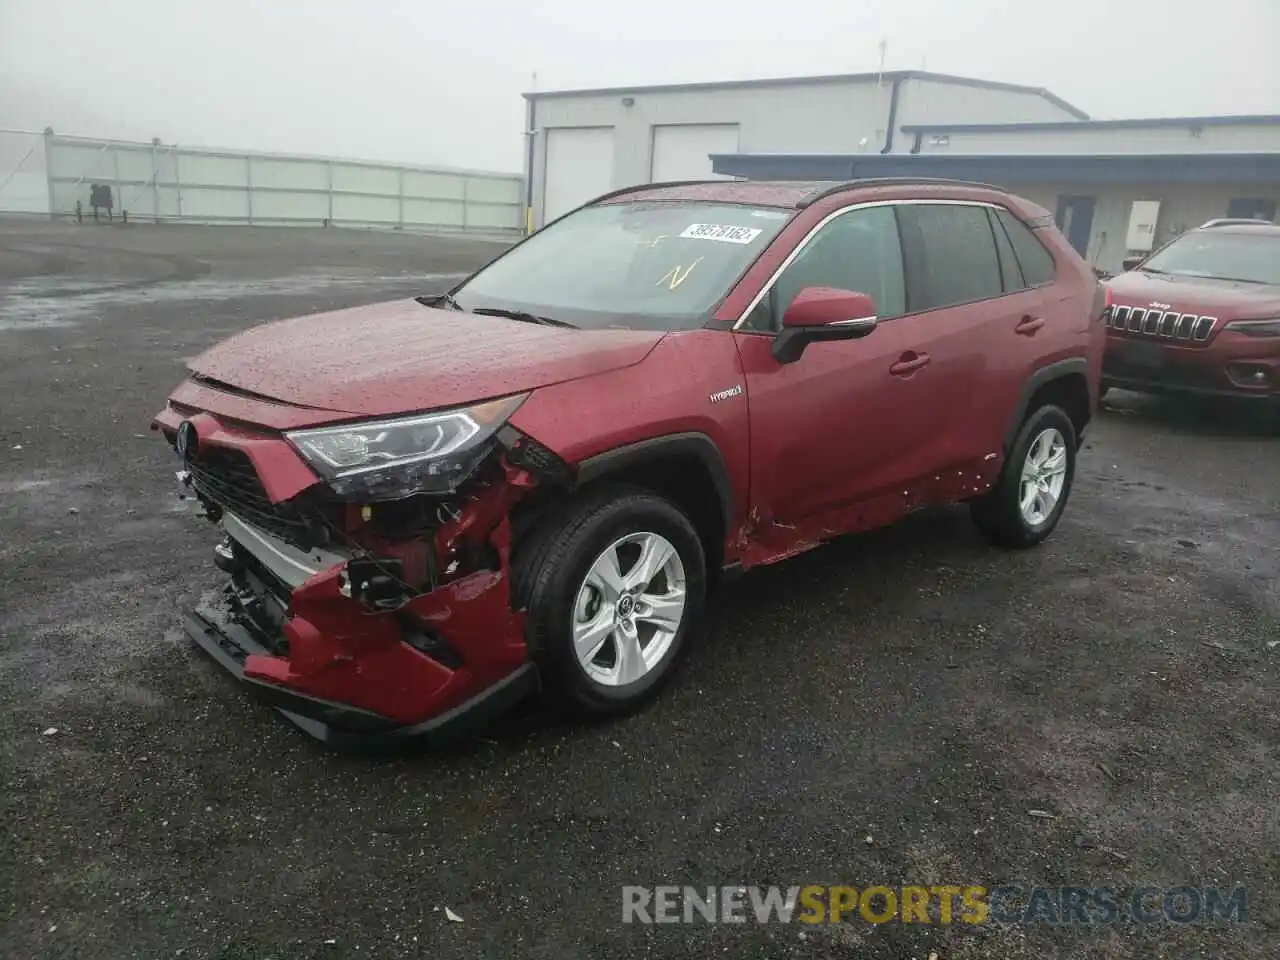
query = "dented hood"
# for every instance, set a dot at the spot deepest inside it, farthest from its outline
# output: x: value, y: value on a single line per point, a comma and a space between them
x: 402, y: 357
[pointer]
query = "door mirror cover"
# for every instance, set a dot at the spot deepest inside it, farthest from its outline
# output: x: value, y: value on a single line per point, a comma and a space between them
x: 823, y: 313
x: 823, y: 306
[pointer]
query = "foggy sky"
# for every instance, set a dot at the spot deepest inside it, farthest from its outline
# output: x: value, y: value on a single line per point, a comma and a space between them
x: 439, y: 81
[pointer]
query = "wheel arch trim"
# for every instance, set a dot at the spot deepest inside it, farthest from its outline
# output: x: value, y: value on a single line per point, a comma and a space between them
x: 1044, y: 375
x: 698, y: 445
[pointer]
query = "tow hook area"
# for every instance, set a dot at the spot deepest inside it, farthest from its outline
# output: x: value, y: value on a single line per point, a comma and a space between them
x: 377, y: 584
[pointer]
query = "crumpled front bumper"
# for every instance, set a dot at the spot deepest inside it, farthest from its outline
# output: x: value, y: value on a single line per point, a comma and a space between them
x: 441, y: 664
x: 341, y: 724
x: 302, y: 627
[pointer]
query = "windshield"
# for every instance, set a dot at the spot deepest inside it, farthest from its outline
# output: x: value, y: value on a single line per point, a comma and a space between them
x: 1253, y: 257
x: 655, y: 265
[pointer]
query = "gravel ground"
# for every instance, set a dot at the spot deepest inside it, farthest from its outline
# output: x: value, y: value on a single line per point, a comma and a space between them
x: 912, y: 686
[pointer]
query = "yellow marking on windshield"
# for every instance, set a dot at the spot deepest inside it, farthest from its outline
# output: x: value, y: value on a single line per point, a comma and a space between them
x: 677, y: 275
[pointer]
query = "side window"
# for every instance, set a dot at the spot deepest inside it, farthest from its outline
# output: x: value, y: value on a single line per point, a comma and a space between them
x: 1036, y: 262
x: 1010, y: 272
x: 953, y: 256
x: 857, y: 251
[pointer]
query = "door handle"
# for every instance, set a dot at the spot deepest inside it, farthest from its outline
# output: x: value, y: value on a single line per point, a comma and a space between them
x: 1027, y: 326
x: 909, y: 364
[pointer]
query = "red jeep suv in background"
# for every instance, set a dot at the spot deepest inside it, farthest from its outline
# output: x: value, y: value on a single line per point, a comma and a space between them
x: 432, y: 506
x: 1201, y: 316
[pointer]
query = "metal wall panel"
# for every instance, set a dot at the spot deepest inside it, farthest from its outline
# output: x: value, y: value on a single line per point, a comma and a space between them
x: 155, y: 181
x: 24, y: 185
x: 931, y: 101
x: 290, y: 174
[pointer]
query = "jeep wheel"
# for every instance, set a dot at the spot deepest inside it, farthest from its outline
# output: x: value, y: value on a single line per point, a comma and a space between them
x: 1027, y: 502
x: 611, y: 588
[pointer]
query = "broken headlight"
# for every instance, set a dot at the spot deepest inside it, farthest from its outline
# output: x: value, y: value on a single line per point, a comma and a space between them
x: 390, y: 459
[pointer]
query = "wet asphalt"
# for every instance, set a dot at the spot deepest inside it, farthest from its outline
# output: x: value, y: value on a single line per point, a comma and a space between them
x: 887, y: 709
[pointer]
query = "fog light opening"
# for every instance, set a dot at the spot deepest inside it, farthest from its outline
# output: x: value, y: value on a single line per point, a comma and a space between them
x: 1250, y: 374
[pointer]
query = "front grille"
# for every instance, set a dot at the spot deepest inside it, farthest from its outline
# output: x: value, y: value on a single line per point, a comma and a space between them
x: 1174, y: 375
x: 228, y: 478
x: 1166, y: 324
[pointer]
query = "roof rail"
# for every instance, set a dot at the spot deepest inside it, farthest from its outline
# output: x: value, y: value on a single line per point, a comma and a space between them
x: 895, y: 181
x: 623, y: 191
x: 1236, y: 222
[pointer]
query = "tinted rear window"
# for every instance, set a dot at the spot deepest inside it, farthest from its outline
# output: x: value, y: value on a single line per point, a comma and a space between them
x: 1035, y: 261
x: 960, y: 264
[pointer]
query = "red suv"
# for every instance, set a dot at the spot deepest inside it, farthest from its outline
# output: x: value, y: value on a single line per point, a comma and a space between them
x: 432, y: 506
x: 1201, y: 315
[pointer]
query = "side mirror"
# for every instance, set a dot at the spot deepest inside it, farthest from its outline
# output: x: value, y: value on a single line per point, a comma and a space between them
x: 1131, y: 263
x: 823, y: 313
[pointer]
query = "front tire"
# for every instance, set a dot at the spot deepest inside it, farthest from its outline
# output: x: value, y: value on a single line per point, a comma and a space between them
x: 611, y: 587
x: 1027, y: 502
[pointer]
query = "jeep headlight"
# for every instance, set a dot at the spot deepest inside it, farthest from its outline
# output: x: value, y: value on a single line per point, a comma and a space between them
x: 1255, y: 328
x: 390, y: 459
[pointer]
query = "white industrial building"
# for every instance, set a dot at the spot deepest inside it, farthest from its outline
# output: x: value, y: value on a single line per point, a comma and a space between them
x: 1116, y: 186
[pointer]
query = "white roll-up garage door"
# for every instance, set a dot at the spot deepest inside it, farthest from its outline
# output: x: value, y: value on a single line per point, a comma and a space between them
x: 579, y: 167
x: 683, y: 151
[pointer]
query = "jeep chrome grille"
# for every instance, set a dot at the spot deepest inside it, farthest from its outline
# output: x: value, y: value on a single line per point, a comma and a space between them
x: 1169, y: 324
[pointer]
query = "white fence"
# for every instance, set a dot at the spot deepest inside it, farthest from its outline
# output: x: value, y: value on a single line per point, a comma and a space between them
x: 24, y: 177
x: 48, y: 173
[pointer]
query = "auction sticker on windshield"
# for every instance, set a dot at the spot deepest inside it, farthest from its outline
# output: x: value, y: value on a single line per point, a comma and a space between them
x: 715, y: 231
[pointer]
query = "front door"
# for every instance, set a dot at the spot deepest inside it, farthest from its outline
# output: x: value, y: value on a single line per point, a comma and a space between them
x: 1075, y: 220
x: 836, y: 435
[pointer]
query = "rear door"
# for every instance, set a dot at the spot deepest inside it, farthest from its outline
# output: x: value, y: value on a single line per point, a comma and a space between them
x: 1040, y: 321
x: 961, y: 317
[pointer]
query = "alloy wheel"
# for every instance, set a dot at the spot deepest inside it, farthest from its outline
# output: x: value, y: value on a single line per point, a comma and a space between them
x: 1044, y: 474
x: 629, y: 608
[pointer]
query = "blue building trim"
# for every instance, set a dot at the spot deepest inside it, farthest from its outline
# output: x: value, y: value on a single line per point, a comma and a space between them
x: 1008, y: 169
x: 1243, y: 120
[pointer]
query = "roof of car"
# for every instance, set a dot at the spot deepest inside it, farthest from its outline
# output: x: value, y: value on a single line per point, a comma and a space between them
x: 764, y: 193
x: 790, y: 194
x: 1254, y: 229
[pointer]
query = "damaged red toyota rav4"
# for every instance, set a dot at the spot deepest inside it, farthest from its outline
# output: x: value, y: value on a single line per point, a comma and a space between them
x: 431, y: 507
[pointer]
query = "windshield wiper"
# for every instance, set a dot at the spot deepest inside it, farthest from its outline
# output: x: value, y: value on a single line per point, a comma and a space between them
x: 1154, y: 270
x: 523, y: 317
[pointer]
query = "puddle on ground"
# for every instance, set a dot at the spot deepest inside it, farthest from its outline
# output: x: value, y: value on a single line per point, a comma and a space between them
x: 42, y: 303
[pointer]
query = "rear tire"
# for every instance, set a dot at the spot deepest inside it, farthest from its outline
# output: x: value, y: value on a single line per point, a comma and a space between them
x: 1024, y: 506
x: 611, y: 585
